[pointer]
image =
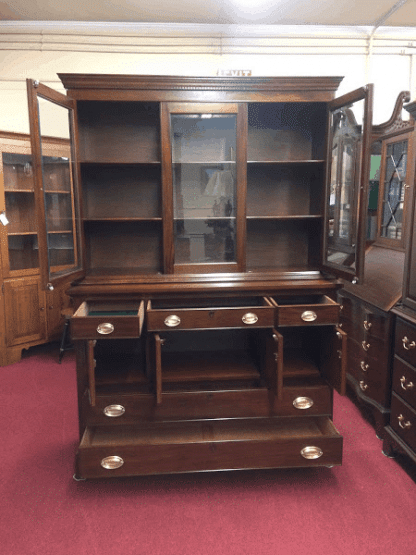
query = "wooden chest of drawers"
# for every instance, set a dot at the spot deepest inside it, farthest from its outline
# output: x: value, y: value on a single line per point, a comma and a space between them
x: 401, y: 431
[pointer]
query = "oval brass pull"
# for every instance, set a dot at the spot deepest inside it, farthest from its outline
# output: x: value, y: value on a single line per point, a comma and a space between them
x: 113, y: 411
x: 250, y: 318
x: 407, y: 345
x: 311, y: 452
x: 111, y: 463
x: 303, y: 403
x: 363, y: 385
x: 367, y: 325
x: 172, y: 321
x: 309, y: 316
x: 105, y: 328
x: 410, y: 385
x: 364, y: 366
x: 365, y: 345
x: 402, y: 423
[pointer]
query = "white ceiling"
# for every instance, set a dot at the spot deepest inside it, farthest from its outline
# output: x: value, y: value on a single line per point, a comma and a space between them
x: 372, y: 13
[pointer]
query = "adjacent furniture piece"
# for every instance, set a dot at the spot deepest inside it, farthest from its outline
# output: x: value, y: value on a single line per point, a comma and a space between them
x: 30, y: 314
x: 367, y: 319
x: 366, y: 314
x: 214, y: 216
x: 400, y: 432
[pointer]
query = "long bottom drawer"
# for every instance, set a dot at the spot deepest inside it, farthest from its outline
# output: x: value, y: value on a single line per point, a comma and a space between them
x: 203, y: 445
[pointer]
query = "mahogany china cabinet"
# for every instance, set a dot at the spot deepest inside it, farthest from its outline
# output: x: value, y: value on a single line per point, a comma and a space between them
x: 215, y: 218
x: 366, y: 313
x: 400, y: 433
x: 30, y: 313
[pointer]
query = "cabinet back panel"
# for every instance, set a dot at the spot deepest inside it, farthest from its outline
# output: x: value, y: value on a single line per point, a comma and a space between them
x: 23, y: 252
x: 119, y: 131
x: 124, y: 245
x: 286, y: 131
x: 122, y: 192
x: 282, y: 245
x: 20, y: 210
x: 277, y: 191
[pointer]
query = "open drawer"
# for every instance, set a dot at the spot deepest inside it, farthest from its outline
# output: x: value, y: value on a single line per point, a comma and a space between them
x: 201, y: 445
x: 188, y: 314
x: 316, y: 310
x: 113, y: 319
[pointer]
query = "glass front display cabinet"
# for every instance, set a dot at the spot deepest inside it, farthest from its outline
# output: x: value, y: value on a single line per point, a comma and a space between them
x: 213, y: 219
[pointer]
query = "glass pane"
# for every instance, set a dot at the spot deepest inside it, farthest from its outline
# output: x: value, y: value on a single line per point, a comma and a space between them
x: 58, y: 187
x: 374, y: 182
x: 393, y: 197
x: 20, y: 211
x: 204, y: 187
x: 346, y: 137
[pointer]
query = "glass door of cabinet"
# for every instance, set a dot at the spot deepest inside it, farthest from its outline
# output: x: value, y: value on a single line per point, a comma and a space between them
x: 18, y: 215
x: 51, y: 114
x: 347, y: 184
x: 393, y: 191
x: 205, y: 146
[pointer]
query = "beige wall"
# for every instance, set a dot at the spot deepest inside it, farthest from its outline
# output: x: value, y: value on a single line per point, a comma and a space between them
x: 41, y: 50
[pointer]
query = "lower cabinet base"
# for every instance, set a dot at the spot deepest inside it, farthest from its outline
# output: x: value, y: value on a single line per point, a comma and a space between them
x: 393, y: 445
x: 208, y: 445
x: 379, y: 416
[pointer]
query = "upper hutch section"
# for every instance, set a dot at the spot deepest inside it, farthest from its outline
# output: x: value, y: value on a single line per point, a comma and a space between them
x: 197, y: 176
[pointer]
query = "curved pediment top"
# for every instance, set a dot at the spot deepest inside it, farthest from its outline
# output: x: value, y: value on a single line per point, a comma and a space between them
x: 395, y: 123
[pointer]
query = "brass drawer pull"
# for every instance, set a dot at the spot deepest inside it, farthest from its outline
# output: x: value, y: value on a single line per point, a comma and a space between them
x: 363, y: 385
x: 105, y: 329
x: 364, y: 366
x: 303, y: 403
x: 407, y: 345
x: 113, y: 411
x: 367, y: 325
x: 250, y: 318
x: 309, y: 316
x: 404, y: 425
x: 111, y: 463
x: 172, y: 321
x: 410, y: 385
x: 365, y: 345
x: 311, y: 452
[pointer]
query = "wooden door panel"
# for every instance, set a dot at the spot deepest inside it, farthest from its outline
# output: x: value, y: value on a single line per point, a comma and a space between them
x: 25, y: 311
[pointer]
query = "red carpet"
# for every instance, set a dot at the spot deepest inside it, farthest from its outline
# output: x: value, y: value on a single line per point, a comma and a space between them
x: 367, y: 506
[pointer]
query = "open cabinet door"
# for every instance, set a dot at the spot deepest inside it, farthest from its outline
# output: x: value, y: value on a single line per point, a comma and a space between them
x: 347, y: 178
x: 52, y: 114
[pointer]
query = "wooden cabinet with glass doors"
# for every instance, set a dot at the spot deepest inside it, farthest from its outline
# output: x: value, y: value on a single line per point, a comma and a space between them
x: 31, y: 314
x: 206, y: 327
x: 367, y: 307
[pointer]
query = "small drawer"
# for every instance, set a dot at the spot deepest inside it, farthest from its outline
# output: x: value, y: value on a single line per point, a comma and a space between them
x: 112, y: 320
x: 403, y: 421
x: 310, y: 311
x: 256, y: 312
x: 404, y: 381
x: 405, y: 341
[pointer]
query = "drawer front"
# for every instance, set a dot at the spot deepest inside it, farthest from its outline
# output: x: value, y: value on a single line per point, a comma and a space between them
x: 351, y: 309
x: 109, y: 325
x: 403, y: 421
x: 208, y: 445
x: 325, y: 312
x: 404, y: 381
x: 372, y: 375
x: 405, y: 341
x: 118, y: 410
x: 210, y: 318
